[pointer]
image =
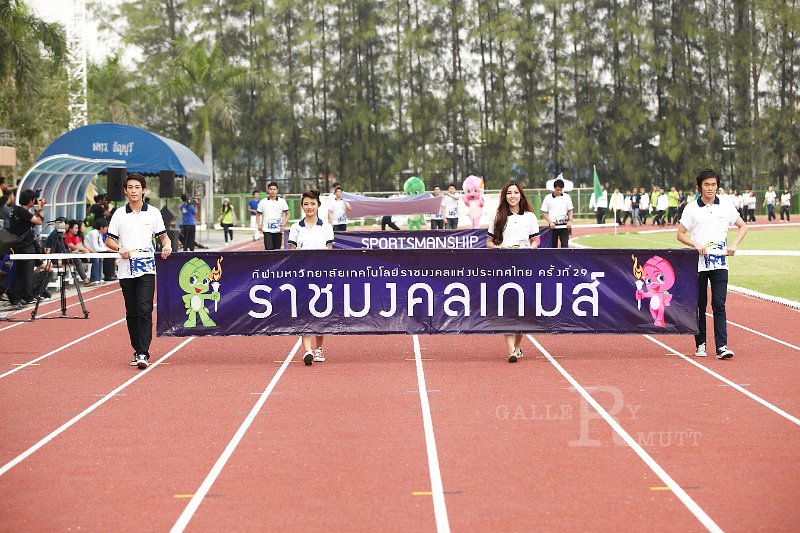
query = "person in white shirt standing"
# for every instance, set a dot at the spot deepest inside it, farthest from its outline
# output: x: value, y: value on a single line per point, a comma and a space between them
x: 337, y: 214
x: 450, y: 204
x: 557, y: 211
x: 437, y: 218
x: 272, y: 215
x: 311, y: 233
x: 769, y: 201
x: 707, y: 220
x: 131, y: 230
x: 514, y: 226
x: 600, y: 205
x: 786, y: 203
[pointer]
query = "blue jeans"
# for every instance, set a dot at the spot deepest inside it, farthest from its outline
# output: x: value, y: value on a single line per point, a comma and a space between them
x: 719, y: 291
x: 97, y: 269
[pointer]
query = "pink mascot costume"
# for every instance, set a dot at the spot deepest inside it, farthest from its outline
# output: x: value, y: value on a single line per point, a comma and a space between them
x: 659, y: 277
x: 473, y: 197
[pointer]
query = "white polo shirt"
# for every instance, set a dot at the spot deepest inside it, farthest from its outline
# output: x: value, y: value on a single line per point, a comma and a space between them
x: 338, y: 211
x: 316, y: 237
x: 135, y: 231
x: 708, y: 225
x: 770, y: 196
x: 438, y: 214
x: 519, y: 230
x: 451, y: 206
x: 557, y: 208
x: 272, y: 213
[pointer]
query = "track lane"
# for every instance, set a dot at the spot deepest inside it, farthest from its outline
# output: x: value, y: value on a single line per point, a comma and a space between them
x: 124, y: 466
x: 341, y: 447
x: 734, y: 457
x: 511, y: 452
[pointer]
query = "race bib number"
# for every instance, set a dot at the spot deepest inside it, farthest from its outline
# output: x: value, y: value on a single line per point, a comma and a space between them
x: 341, y: 219
x: 452, y: 213
x: 274, y: 224
x: 561, y: 221
x: 142, y: 265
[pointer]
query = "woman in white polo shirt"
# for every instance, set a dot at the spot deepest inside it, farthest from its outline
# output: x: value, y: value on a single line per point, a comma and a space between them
x: 514, y: 226
x: 311, y: 233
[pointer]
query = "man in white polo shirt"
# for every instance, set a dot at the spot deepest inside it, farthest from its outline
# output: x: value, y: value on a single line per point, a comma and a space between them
x: 707, y: 219
x: 132, y: 230
x: 557, y: 211
x: 272, y: 215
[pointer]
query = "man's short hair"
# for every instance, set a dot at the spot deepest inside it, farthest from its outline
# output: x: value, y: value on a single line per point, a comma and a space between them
x: 272, y: 184
x: 255, y: 191
x: 705, y: 173
x: 137, y: 177
x: 100, y: 223
x: 27, y: 196
x: 558, y: 183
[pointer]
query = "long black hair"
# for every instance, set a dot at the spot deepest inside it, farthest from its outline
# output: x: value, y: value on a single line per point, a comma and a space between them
x: 504, y: 210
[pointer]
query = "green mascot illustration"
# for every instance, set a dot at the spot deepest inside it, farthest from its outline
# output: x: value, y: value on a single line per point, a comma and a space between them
x: 414, y: 186
x: 196, y: 278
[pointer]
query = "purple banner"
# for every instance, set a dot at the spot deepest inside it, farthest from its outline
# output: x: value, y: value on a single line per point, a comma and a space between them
x: 419, y: 204
x: 427, y: 291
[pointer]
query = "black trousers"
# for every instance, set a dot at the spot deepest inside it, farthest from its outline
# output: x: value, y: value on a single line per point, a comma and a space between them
x: 719, y: 292
x: 187, y: 236
x: 273, y: 241
x: 226, y: 230
x: 452, y: 223
x: 340, y: 227
x: 600, y: 214
x: 785, y: 211
x: 138, y: 294
x: 387, y: 221
x: 559, y: 234
x: 23, y: 277
x: 437, y: 224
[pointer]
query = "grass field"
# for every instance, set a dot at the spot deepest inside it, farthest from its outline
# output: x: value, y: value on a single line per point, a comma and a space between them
x: 778, y: 276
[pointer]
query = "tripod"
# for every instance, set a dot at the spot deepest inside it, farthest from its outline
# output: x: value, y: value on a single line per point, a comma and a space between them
x: 69, y: 268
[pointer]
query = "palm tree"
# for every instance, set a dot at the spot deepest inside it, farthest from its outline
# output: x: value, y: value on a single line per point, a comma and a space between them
x: 113, y: 95
x: 22, y: 35
x: 204, y: 76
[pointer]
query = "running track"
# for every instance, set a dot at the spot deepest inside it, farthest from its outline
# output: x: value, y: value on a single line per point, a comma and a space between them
x: 398, y: 432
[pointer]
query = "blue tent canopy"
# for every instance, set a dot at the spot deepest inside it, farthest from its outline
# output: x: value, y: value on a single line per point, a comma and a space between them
x: 142, y: 151
x: 68, y: 166
x: 64, y: 180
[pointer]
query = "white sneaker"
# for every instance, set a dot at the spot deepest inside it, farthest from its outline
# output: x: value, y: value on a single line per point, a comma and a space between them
x: 319, y: 355
x: 723, y: 352
x: 515, y: 355
x: 701, y: 351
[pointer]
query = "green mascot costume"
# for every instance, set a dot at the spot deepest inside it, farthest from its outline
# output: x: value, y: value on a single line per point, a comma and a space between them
x: 414, y: 186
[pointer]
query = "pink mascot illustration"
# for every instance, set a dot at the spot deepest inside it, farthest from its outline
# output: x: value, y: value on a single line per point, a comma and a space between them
x: 659, y: 276
x: 473, y: 197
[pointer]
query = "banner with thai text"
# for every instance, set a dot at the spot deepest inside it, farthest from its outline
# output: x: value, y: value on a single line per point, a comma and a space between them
x: 427, y: 291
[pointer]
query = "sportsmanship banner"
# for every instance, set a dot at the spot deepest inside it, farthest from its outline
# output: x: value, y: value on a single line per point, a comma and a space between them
x: 440, y: 239
x: 427, y: 291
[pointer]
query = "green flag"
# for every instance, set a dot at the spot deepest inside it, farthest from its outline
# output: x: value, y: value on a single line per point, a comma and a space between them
x: 597, y: 192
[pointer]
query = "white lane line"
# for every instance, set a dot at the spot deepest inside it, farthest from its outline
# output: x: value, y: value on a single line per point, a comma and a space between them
x: 56, y: 310
x: 205, y: 486
x: 759, y: 333
x: 690, y: 504
x: 746, y: 392
x: 61, y: 348
x: 27, y: 453
x: 437, y: 489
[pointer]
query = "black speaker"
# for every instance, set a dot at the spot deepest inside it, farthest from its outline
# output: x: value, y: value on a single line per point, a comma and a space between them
x: 167, y: 215
x: 116, y: 183
x: 166, y: 184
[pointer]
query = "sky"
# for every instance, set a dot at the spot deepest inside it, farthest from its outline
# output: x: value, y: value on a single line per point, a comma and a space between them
x: 60, y: 11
